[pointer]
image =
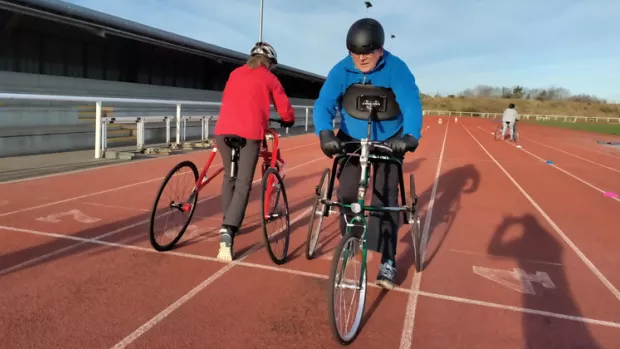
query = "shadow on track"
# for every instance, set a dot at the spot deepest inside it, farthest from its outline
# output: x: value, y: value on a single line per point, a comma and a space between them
x: 535, y: 241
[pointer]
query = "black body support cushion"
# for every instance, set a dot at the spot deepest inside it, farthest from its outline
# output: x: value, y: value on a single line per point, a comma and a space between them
x: 358, y: 98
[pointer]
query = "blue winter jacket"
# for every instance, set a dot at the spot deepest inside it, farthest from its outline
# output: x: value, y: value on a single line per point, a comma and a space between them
x: 390, y: 72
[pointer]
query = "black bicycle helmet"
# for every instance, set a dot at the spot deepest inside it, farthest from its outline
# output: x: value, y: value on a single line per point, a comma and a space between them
x: 511, y: 106
x: 365, y: 36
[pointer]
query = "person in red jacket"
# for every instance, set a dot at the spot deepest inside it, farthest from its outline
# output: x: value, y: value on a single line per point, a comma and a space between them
x: 244, y: 113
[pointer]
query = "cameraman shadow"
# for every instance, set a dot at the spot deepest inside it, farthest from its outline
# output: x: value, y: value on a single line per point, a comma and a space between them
x: 451, y: 186
x: 533, y: 242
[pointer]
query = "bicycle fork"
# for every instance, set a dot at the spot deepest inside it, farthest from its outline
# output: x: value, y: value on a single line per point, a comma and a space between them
x: 357, y: 208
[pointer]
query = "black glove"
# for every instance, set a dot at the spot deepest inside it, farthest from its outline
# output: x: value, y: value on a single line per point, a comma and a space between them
x: 287, y: 124
x: 402, y: 144
x: 330, y: 144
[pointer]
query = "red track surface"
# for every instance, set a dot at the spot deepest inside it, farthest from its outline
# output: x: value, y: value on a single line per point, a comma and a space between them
x: 80, y: 283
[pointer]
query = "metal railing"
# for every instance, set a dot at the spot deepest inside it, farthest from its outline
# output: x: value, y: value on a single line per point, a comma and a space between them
x: 140, y: 121
x: 537, y: 117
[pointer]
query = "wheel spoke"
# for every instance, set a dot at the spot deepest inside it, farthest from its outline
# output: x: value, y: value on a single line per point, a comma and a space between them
x: 183, y: 203
x: 275, y: 209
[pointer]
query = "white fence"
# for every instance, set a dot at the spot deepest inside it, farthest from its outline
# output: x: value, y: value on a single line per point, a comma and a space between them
x: 102, y: 122
x: 537, y: 117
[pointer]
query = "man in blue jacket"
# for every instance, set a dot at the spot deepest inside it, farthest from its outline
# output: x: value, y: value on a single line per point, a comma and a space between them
x: 369, y: 63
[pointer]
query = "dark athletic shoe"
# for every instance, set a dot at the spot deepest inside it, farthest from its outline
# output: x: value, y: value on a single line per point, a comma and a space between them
x: 387, y: 272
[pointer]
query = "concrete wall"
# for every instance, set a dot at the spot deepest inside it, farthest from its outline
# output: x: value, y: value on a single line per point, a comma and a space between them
x: 34, y: 127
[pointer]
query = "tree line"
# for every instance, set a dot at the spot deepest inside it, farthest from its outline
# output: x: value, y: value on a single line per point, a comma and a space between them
x: 521, y: 92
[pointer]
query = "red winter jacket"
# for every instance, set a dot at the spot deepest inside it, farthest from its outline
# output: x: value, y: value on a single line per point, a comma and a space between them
x: 246, y: 102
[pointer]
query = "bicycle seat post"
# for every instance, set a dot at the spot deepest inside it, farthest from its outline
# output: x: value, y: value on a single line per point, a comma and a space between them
x: 233, y: 163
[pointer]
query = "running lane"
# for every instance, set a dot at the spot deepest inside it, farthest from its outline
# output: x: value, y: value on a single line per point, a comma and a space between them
x: 113, y: 214
x: 581, y: 143
x: 97, y: 291
x: 585, y: 216
x: 601, y: 173
x: 485, y: 238
x: 258, y: 304
x: 46, y: 191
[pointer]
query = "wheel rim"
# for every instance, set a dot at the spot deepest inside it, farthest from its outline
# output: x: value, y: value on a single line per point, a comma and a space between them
x: 498, y: 133
x: 356, y: 282
x: 177, y: 207
x: 275, y: 210
x: 417, y: 240
x: 318, y: 213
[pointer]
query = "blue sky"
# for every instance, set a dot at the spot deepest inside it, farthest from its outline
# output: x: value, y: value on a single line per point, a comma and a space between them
x: 449, y: 45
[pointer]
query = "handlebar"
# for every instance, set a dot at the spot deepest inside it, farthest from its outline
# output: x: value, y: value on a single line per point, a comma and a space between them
x: 373, y: 144
x: 280, y: 121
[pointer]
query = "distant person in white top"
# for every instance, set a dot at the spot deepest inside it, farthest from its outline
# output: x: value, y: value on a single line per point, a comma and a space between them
x: 509, y: 119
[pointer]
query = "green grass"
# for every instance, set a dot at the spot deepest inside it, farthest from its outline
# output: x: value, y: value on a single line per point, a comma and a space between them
x: 608, y: 129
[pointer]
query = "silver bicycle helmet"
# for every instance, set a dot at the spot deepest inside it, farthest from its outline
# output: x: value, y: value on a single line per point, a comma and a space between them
x: 264, y: 49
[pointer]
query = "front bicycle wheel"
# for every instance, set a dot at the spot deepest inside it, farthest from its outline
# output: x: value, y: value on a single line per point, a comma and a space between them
x: 183, y: 203
x: 274, y: 206
x: 414, y: 222
x: 349, y: 252
x: 318, y: 211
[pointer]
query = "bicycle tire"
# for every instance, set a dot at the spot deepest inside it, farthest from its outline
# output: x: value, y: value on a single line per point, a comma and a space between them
x: 498, y: 132
x: 416, y: 233
x: 266, y: 236
x: 152, y: 239
x: 312, y: 239
x: 516, y: 134
x: 332, y: 307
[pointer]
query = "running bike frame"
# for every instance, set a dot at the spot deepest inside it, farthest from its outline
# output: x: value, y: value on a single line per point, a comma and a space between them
x: 268, y: 161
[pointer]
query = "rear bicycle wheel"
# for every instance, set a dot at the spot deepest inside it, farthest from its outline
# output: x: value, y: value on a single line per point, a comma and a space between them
x: 516, y: 134
x: 498, y: 133
x: 318, y: 211
x: 414, y: 222
x: 185, y: 204
x: 273, y: 190
x: 349, y: 252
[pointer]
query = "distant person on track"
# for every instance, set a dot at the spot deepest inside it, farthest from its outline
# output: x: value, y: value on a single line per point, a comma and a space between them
x: 368, y: 62
x: 509, y: 119
x: 244, y: 112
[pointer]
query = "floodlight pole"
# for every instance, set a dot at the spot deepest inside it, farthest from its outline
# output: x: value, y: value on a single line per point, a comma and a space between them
x: 260, y: 24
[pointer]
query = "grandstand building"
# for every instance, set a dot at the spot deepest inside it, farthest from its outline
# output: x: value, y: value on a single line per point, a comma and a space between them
x: 54, y: 47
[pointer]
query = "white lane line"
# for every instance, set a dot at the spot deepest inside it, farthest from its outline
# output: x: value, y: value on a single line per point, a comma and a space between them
x: 519, y: 309
x: 573, y: 155
x: 563, y: 170
x: 557, y: 229
x: 114, y: 189
x: 114, y: 232
x: 174, y: 306
x: 326, y: 277
x: 412, y: 300
x: 124, y: 164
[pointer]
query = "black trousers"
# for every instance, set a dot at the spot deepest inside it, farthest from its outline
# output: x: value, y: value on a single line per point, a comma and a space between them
x: 236, y: 190
x: 382, y: 227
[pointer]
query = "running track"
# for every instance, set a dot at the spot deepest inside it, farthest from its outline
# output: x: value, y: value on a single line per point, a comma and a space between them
x: 521, y: 254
